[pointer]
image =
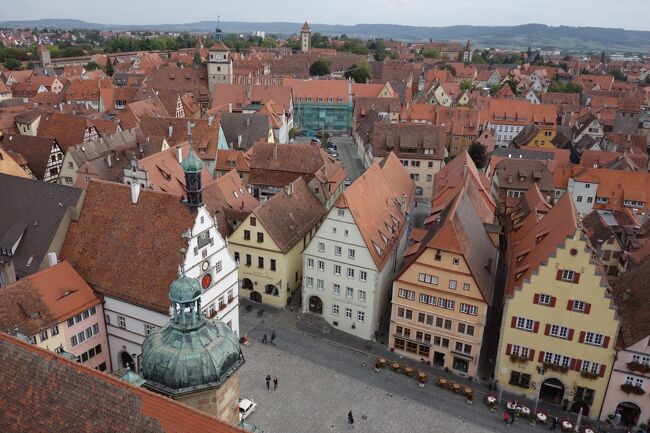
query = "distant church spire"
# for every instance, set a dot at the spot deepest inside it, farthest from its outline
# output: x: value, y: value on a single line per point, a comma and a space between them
x: 219, y: 35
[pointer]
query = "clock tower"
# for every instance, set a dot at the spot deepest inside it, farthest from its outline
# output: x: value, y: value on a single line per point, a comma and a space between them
x: 219, y: 65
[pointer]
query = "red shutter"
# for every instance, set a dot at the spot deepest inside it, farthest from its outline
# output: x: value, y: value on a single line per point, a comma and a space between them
x: 513, y: 322
x: 553, y: 299
x: 578, y: 365
x: 536, y: 298
x: 531, y: 354
x: 606, y: 342
x: 536, y: 327
x: 541, y: 356
x: 571, y: 334
x: 576, y: 277
x: 508, y: 349
x: 547, y: 330
x: 587, y: 308
x: 558, y: 276
x: 582, y: 337
x: 569, y: 304
x: 602, y: 370
x: 572, y: 364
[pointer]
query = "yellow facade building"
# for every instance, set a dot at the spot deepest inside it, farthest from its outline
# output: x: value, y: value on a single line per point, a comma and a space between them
x: 269, y: 243
x: 559, y: 320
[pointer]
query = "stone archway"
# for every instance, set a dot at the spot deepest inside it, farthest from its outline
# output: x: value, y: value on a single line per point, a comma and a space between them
x: 552, y: 391
x: 247, y: 284
x: 126, y: 360
x: 271, y: 289
x: 256, y: 296
x: 629, y: 412
x: 315, y: 305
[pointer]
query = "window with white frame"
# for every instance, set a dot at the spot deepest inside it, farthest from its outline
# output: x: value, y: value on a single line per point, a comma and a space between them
x: 452, y: 284
x: 559, y: 331
x: 520, y: 351
x: 350, y: 273
x: 349, y: 293
x: 595, y: 339
x: 466, y: 286
x: 321, y: 247
x: 634, y: 381
x: 341, y: 212
x: 567, y: 275
x: 362, y: 295
x: 310, y: 263
x: 148, y: 329
x: 469, y: 309
x: 525, y: 324
x: 579, y: 306
x: 337, y: 269
x: 351, y: 253
x: 640, y: 359
x: 321, y: 265
x: 557, y: 359
x: 363, y: 276
x: 218, y: 266
x: 320, y: 284
x: 429, y: 279
x: 310, y: 282
x: 43, y: 335
x: 544, y: 299
x: 348, y: 313
x: 121, y: 321
x: 337, y: 251
x: 455, y: 261
x: 361, y: 316
x: 336, y: 289
x: 590, y: 367
x: 335, y: 310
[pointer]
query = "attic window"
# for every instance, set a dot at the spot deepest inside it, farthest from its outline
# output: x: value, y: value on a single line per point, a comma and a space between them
x: 518, y: 275
x: 234, y: 193
x: 378, y: 249
x: 384, y: 238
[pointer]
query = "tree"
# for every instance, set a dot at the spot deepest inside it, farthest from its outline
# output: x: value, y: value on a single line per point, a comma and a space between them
x: 573, y: 88
x: 360, y: 72
x: 197, y: 59
x: 466, y: 85
x: 430, y: 53
x: 13, y: 64
x: 269, y: 43
x: 478, y: 153
x: 647, y: 79
x: 92, y: 66
x: 617, y: 74
x: 109, y: 67
x: 495, y: 89
x: 320, y: 67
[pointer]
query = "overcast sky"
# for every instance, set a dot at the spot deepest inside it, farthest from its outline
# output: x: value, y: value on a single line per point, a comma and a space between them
x: 628, y: 14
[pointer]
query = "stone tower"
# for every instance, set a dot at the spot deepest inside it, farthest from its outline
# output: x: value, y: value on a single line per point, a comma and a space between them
x: 194, y: 360
x: 192, y: 166
x: 305, y: 38
x: 44, y: 56
x: 219, y: 65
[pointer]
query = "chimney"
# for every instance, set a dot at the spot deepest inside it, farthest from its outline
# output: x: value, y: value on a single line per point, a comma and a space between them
x: 51, y: 259
x: 210, y: 120
x: 403, y: 203
x: 239, y: 140
x: 275, y: 150
x: 229, y: 107
x: 465, y: 168
x: 179, y: 154
x: 289, y: 189
x: 170, y: 130
x: 109, y: 160
x: 135, y: 192
x: 248, y: 122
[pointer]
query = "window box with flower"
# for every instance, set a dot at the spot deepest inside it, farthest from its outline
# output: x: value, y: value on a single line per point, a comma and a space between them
x: 628, y: 388
x: 589, y: 375
x: 518, y: 359
x: 638, y: 366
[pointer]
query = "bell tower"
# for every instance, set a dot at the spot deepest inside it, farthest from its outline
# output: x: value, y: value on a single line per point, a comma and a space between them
x: 305, y: 38
x: 192, y: 166
x: 219, y: 65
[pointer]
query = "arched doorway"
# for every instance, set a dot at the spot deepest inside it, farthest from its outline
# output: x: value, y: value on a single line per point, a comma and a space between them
x: 552, y: 390
x: 270, y: 289
x: 256, y: 296
x: 315, y: 305
x: 246, y: 284
x: 126, y: 360
x: 577, y: 405
x: 629, y: 413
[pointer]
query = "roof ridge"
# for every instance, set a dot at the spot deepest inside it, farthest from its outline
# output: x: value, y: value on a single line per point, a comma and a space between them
x: 111, y: 182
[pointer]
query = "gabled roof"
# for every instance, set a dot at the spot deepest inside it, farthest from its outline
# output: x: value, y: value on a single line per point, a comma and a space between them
x: 140, y: 243
x: 44, y: 299
x: 227, y: 198
x: 36, y: 150
x: 290, y: 214
x: 66, y: 128
x: 250, y: 127
x: 632, y: 297
x: 34, y: 378
x: 375, y: 202
x: 532, y: 201
x: 205, y: 133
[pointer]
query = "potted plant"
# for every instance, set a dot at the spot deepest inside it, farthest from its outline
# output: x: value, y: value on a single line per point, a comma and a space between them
x: 638, y: 366
x: 628, y: 388
x: 589, y: 375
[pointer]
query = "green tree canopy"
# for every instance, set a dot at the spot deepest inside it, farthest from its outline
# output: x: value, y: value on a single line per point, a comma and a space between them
x: 430, y: 53
x: 13, y: 64
x: 109, y: 67
x: 466, y: 85
x: 197, y: 59
x: 617, y: 74
x: 478, y: 153
x: 269, y: 43
x: 360, y: 72
x: 495, y: 89
x: 92, y: 66
x: 320, y: 67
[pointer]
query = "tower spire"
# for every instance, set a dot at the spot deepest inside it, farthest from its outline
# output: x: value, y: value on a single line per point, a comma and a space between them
x: 192, y: 166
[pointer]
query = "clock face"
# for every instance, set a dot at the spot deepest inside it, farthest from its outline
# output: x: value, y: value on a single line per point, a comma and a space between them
x: 206, y: 281
x: 218, y: 57
x: 205, y: 265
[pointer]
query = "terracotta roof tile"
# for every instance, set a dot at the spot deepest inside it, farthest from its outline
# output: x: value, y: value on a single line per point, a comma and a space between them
x: 227, y: 198
x: 67, y: 129
x: 632, y: 297
x: 35, y: 150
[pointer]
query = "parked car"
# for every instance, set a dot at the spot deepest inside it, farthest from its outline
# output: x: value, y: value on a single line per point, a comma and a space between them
x: 347, y: 181
x: 333, y: 155
x: 331, y: 145
x: 246, y: 407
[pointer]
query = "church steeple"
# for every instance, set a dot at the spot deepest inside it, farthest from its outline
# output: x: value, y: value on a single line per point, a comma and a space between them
x: 192, y: 166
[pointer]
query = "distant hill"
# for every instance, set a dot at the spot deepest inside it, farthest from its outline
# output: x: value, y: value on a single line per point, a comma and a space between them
x: 523, y: 36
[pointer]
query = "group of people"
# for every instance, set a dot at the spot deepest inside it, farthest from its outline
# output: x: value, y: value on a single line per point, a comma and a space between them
x: 268, y: 383
x: 265, y: 340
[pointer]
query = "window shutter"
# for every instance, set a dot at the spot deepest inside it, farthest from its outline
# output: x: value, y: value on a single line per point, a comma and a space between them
x: 547, y: 330
x: 536, y: 298
x: 541, y: 356
x: 569, y: 304
x: 602, y: 370
x: 587, y: 308
x: 513, y: 322
x: 582, y: 337
x: 570, y: 334
x: 531, y: 354
x: 576, y: 277
x: 572, y: 364
x: 606, y: 342
x: 558, y: 276
x: 553, y: 299
x: 578, y: 365
x: 508, y: 349
x: 536, y: 327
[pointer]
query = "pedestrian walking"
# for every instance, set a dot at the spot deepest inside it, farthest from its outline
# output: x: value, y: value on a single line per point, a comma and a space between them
x: 555, y: 422
x: 268, y: 382
x: 273, y: 336
x: 264, y: 339
x: 275, y: 384
x: 512, y: 417
x: 506, y: 417
x: 350, y: 420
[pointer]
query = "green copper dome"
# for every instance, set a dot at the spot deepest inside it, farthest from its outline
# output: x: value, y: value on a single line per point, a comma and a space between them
x: 191, y: 164
x: 184, y: 290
